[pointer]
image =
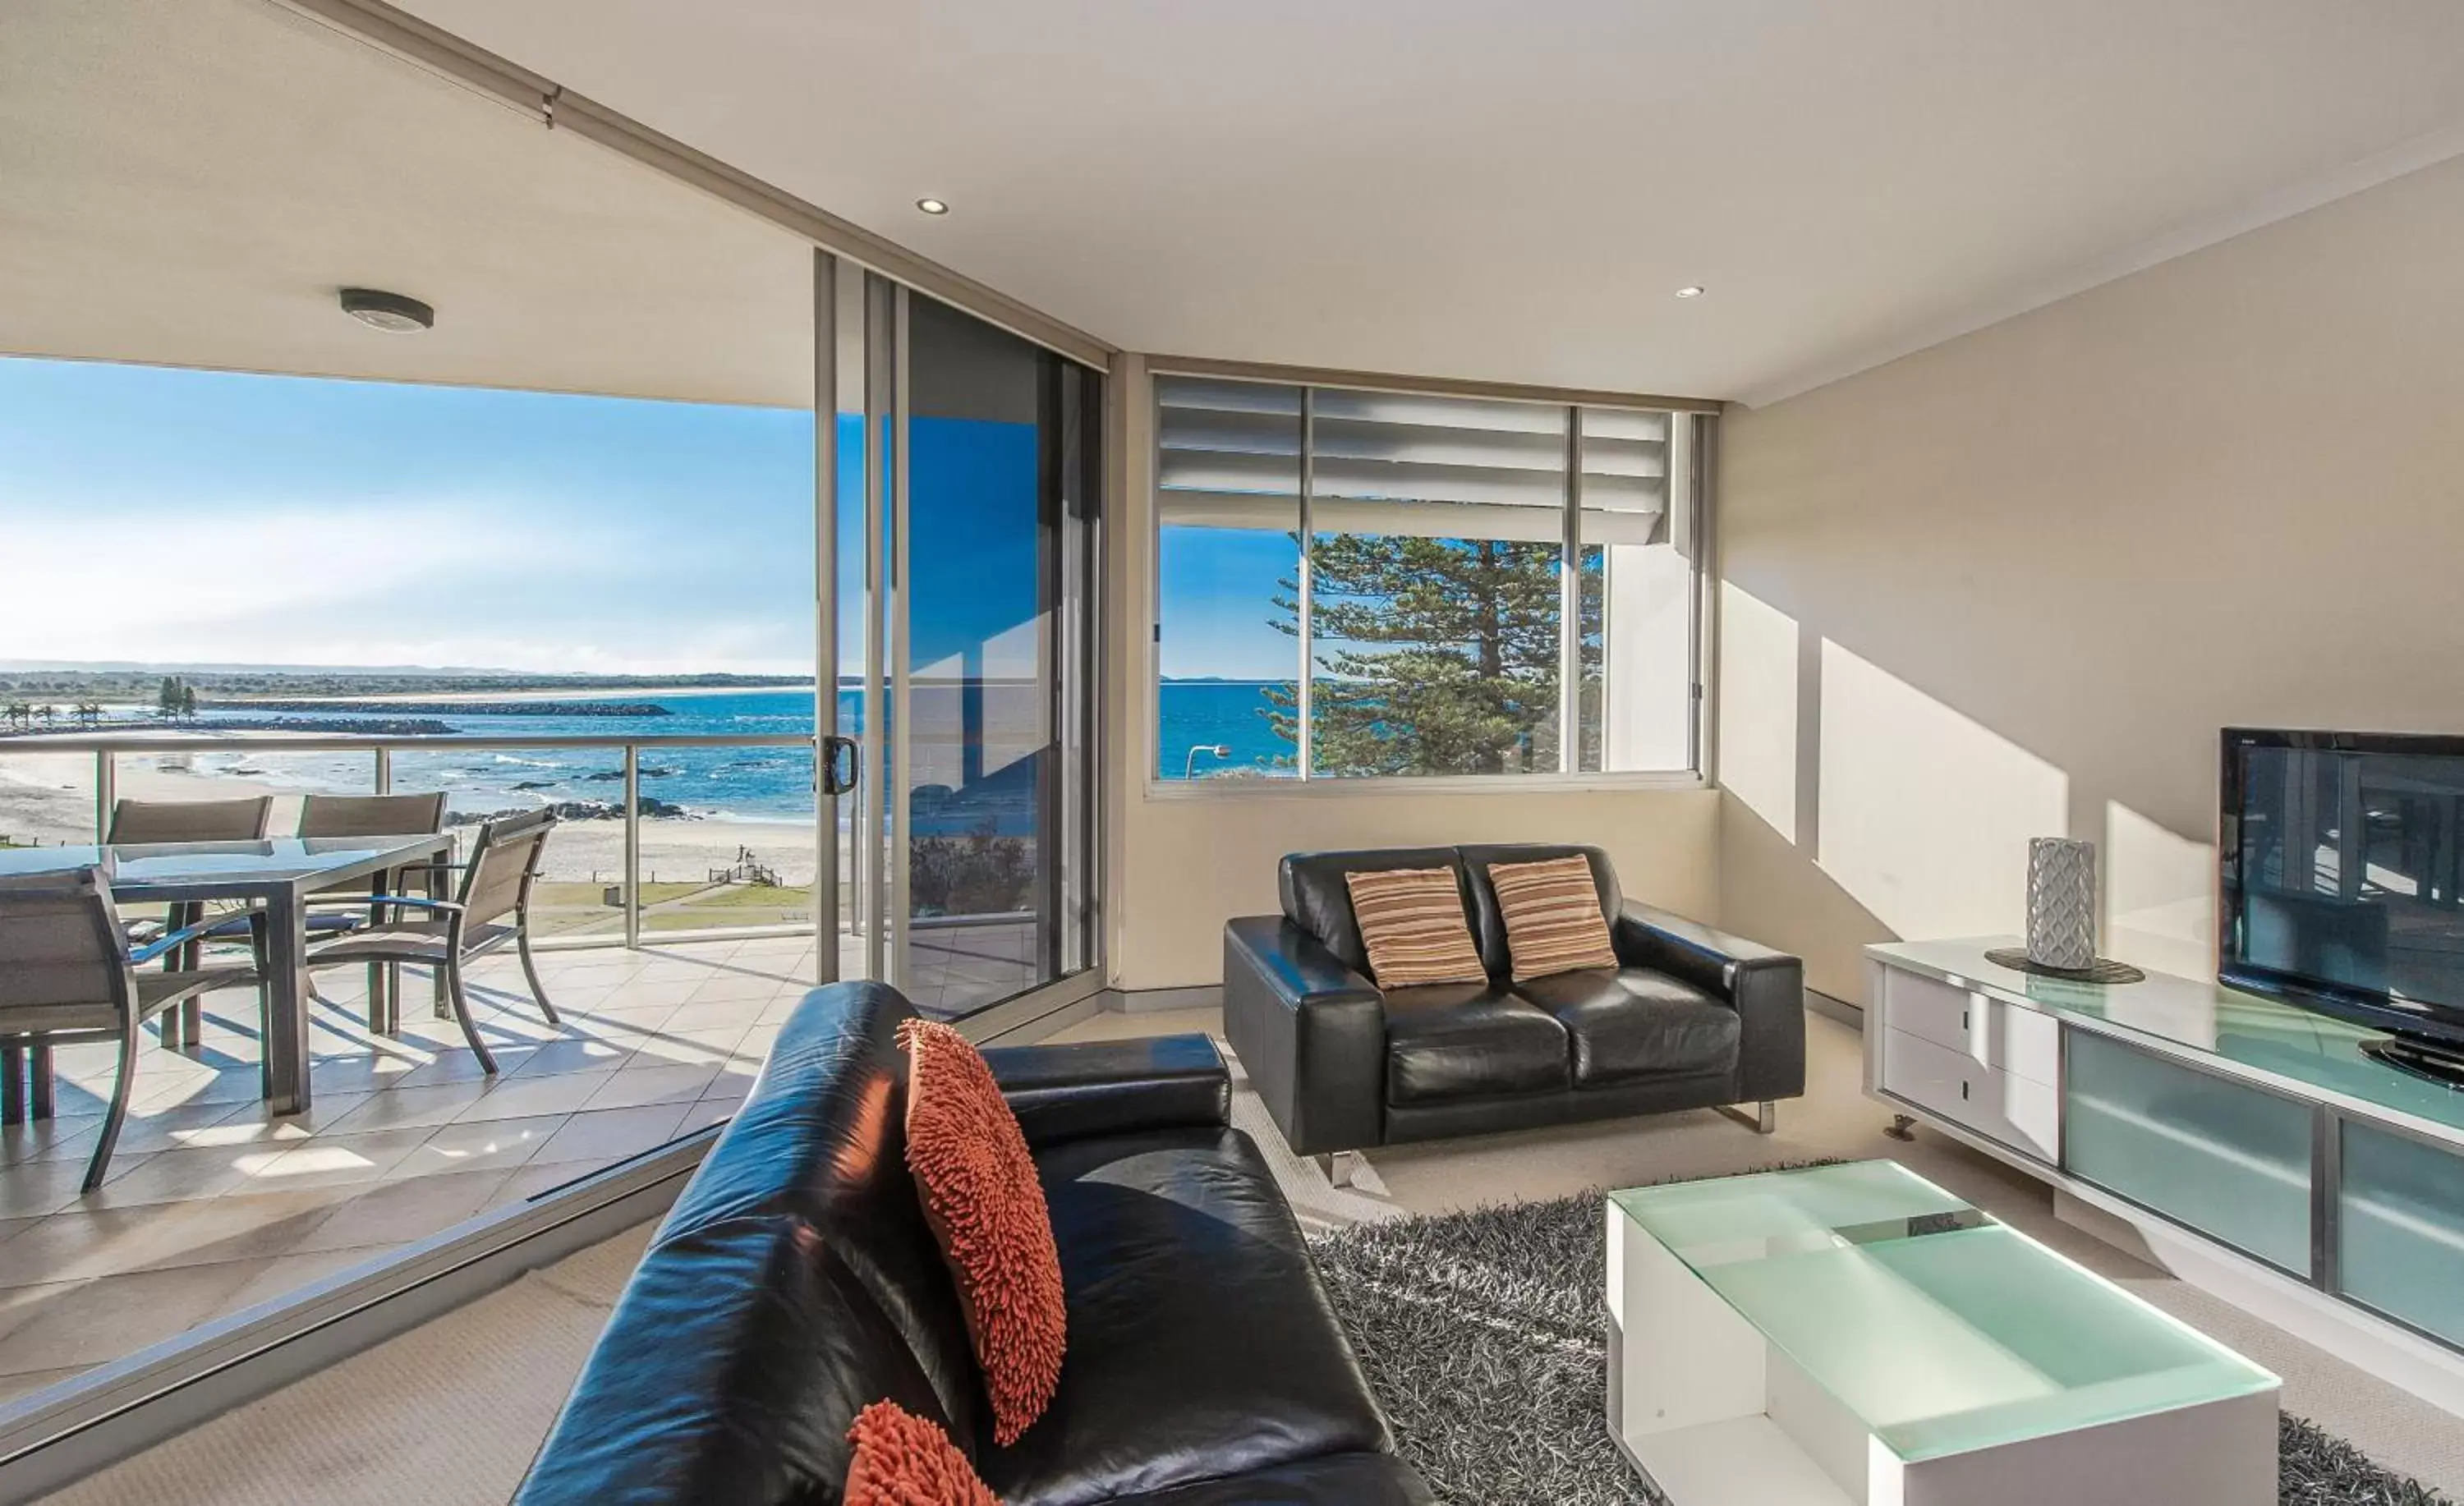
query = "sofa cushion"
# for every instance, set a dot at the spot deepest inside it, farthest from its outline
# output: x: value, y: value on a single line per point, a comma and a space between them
x: 1339, y: 1480
x: 1451, y: 1040
x: 1317, y: 898
x: 1552, y: 909
x: 986, y: 1209
x: 1201, y: 1342
x: 903, y: 1460
x: 1630, y: 1023
x: 1412, y: 921
x: 1488, y: 922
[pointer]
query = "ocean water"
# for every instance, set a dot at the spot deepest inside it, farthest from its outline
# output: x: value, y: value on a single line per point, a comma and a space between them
x: 1205, y: 716
x: 745, y: 783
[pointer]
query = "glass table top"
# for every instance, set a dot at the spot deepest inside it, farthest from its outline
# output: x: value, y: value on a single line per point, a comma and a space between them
x: 2310, y: 1052
x: 273, y: 860
x: 1938, y: 1327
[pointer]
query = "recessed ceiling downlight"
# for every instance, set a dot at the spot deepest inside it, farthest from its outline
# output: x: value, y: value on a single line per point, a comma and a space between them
x: 390, y: 312
x: 932, y: 207
x: 1692, y: 289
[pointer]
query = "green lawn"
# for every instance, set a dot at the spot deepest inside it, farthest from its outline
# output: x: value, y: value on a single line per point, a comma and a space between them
x: 570, y: 906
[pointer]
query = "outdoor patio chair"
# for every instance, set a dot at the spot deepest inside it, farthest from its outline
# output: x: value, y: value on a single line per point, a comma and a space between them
x: 493, y: 908
x: 189, y: 820
x: 145, y: 822
x: 67, y: 975
x: 374, y: 815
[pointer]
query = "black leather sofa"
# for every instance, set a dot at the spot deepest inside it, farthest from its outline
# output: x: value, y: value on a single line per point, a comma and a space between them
x: 1691, y: 1018
x: 795, y: 1281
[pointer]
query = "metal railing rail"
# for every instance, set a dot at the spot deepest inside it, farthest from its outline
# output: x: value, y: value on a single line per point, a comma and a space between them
x: 107, y: 748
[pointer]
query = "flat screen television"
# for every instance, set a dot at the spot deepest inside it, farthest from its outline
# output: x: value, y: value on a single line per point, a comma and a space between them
x: 2342, y: 866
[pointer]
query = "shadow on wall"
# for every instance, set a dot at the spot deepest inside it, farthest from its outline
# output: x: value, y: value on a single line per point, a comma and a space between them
x: 1857, y: 808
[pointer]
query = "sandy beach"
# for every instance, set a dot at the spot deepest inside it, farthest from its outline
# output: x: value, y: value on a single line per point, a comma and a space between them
x: 47, y: 800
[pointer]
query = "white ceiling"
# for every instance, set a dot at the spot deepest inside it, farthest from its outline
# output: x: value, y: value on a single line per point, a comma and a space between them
x: 1513, y: 191
x: 191, y: 182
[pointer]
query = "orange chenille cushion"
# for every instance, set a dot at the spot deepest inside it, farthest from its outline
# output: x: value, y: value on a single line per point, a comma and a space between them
x: 986, y: 1208
x: 903, y: 1460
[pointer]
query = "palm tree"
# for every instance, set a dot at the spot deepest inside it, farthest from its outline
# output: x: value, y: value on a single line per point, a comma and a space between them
x: 47, y: 714
x: 89, y: 712
x: 17, y: 713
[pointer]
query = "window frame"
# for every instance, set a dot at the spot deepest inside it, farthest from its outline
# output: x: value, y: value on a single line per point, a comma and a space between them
x: 1702, y: 603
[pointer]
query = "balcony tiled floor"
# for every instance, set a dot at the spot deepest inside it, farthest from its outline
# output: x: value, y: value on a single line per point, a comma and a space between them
x: 213, y: 1205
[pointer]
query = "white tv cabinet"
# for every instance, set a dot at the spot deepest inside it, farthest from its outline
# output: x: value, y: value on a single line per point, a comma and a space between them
x: 2253, y: 1148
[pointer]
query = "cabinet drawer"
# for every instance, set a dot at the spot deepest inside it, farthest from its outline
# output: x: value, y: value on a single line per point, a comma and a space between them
x: 2015, y: 1111
x: 1984, y: 1028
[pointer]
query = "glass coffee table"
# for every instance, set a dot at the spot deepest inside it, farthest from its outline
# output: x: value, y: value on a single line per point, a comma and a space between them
x: 1856, y: 1334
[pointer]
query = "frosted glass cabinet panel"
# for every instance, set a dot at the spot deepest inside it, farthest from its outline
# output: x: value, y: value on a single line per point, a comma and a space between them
x: 2230, y: 1161
x: 2400, y: 1229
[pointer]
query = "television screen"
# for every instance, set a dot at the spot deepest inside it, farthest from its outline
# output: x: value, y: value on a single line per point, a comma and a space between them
x: 2346, y: 870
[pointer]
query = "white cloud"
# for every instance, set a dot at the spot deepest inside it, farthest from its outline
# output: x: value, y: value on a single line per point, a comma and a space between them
x: 416, y: 582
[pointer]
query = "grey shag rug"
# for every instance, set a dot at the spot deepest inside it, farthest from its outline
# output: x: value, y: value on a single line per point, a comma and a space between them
x: 1482, y: 1335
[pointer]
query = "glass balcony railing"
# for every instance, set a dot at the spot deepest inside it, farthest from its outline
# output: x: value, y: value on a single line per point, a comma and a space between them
x: 641, y: 853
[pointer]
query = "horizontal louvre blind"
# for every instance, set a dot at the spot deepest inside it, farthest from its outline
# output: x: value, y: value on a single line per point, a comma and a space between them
x: 1229, y: 453
x: 1625, y: 476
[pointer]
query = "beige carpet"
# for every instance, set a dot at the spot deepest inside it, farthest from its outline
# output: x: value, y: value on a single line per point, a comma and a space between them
x: 452, y: 1412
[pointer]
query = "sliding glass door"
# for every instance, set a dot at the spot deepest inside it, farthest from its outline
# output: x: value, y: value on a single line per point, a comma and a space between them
x: 967, y: 533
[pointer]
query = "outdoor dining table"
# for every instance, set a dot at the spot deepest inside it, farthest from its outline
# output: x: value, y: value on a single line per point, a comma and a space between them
x: 278, y: 873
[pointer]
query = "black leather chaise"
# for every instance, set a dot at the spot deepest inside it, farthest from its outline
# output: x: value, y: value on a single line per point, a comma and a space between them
x: 1691, y: 1017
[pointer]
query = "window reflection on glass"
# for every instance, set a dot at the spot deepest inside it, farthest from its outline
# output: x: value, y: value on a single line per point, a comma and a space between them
x: 998, y: 498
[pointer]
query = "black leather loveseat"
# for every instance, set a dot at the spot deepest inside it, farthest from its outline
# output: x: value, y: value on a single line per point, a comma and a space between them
x: 795, y: 1281
x: 1691, y: 1018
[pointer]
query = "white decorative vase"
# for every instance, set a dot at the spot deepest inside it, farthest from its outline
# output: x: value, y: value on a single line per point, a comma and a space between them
x: 2062, y: 903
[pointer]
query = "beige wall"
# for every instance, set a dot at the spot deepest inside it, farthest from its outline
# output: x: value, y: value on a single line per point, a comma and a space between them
x: 1180, y: 864
x: 2014, y: 584
x: 1196, y: 862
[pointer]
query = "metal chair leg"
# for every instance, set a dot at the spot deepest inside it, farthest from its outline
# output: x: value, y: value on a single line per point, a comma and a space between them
x: 530, y: 971
x: 451, y: 974
x: 12, y: 1084
x: 119, y: 1111
x: 443, y: 999
x: 44, y: 1080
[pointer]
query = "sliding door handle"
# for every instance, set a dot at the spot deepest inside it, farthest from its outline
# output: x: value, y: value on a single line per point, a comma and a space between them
x: 839, y: 765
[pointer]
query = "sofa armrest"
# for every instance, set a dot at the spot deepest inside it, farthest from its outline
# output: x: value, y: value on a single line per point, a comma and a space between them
x: 1765, y: 987
x: 1310, y: 1033
x: 1113, y: 1087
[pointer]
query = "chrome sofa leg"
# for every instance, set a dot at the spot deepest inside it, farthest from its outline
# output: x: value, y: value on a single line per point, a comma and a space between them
x: 1763, y: 1120
x: 1338, y: 1166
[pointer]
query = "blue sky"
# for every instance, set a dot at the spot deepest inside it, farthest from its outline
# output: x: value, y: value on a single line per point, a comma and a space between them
x: 164, y: 515
x: 167, y: 515
x: 1216, y: 588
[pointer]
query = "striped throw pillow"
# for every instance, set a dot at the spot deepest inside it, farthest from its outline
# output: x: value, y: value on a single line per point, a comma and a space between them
x: 1412, y: 921
x: 1552, y: 917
